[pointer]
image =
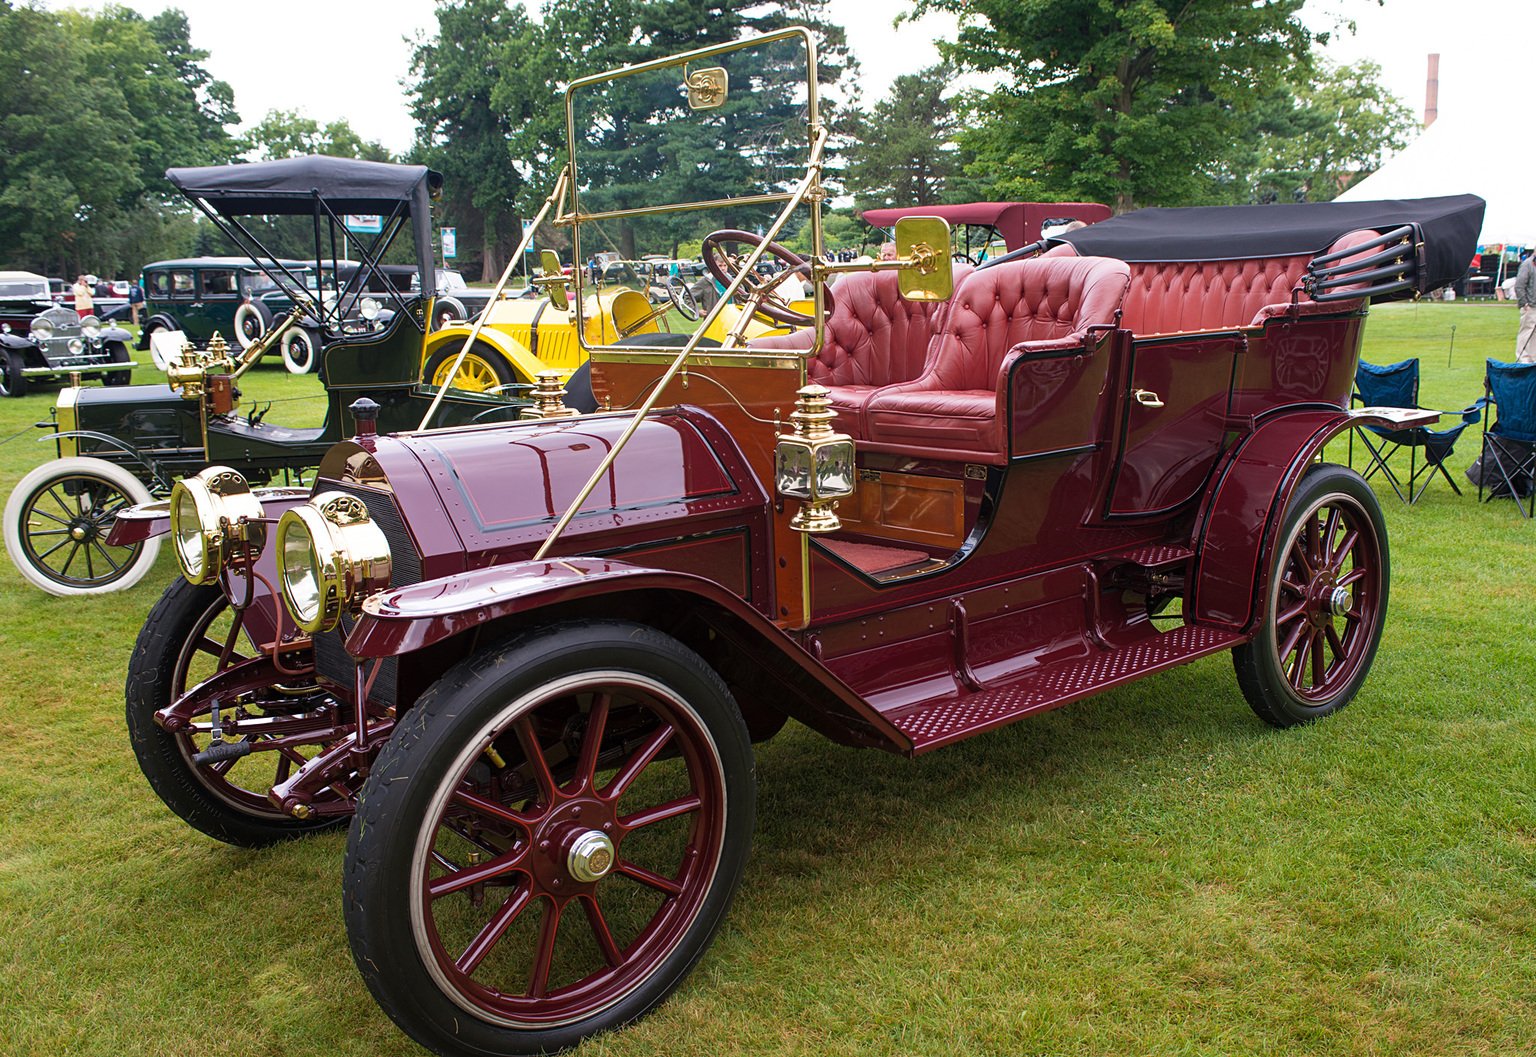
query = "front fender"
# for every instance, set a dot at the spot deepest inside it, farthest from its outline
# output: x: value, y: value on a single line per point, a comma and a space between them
x: 523, y: 362
x: 142, y: 522
x: 407, y: 619
x: 1246, y: 502
x: 18, y: 342
x: 115, y: 334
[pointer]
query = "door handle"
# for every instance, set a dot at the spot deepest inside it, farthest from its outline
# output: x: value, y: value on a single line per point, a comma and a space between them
x: 1147, y: 398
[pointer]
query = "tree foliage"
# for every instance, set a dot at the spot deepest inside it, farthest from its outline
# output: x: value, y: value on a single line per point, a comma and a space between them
x: 904, y: 150
x: 93, y: 109
x: 1131, y: 102
x: 288, y: 134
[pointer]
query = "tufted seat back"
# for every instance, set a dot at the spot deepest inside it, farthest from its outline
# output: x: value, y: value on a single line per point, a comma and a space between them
x: 1168, y: 298
x: 954, y: 409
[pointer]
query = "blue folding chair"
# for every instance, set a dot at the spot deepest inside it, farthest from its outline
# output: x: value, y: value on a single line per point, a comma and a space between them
x: 1511, y: 439
x: 1397, y: 385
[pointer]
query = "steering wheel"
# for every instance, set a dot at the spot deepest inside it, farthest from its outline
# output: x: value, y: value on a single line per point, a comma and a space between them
x: 759, y: 294
x: 682, y: 298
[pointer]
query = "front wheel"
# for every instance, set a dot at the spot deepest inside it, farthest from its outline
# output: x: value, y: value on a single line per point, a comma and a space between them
x: 549, y: 842
x: 117, y: 352
x: 483, y: 370
x: 12, y: 381
x: 1326, y: 605
x: 56, y: 526
x: 301, y: 350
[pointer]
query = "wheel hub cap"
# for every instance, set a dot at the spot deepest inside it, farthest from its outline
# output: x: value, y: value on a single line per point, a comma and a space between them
x: 1338, y: 601
x: 591, y: 857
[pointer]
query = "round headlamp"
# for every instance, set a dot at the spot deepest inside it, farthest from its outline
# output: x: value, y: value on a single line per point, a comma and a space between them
x: 330, y: 555
x: 369, y: 308
x: 90, y: 326
x: 76, y: 346
x: 211, y: 514
x: 42, y: 329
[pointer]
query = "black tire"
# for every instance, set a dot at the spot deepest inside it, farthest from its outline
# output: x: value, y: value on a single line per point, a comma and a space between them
x: 484, y: 368
x: 12, y: 381
x: 301, y: 350
x: 446, y: 310
x: 158, y: 670
x: 117, y: 352
x: 400, y: 942
x: 1321, y: 626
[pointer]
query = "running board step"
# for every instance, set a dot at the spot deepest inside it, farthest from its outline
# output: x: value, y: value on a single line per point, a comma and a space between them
x: 1155, y: 556
x: 952, y: 718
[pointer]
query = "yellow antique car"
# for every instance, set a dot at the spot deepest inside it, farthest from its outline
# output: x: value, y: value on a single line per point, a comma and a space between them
x: 522, y: 336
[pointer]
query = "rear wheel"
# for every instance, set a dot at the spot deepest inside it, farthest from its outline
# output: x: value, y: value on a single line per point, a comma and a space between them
x: 56, y: 526
x: 301, y: 350
x: 483, y: 370
x: 445, y: 310
x: 191, y: 636
x: 252, y: 319
x: 12, y: 381
x: 549, y: 843
x: 117, y: 352
x: 1326, y: 605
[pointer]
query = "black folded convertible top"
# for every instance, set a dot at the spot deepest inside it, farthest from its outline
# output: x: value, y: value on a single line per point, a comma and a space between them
x: 290, y: 185
x: 1447, y: 226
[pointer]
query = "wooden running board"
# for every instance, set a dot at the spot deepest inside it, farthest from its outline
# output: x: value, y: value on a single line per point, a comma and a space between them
x: 952, y: 718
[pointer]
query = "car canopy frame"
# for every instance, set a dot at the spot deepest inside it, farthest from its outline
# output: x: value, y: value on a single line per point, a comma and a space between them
x: 328, y: 189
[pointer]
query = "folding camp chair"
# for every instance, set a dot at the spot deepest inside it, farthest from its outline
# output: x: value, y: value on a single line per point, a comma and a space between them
x: 1397, y: 385
x: 1511, y: 439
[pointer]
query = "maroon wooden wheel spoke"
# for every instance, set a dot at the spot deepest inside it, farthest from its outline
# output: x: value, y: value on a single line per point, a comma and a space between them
x: 1327, y: 596
x: 618, y: 884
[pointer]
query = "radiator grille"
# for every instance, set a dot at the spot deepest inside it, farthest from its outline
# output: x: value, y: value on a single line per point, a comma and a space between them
x: 331, y: 658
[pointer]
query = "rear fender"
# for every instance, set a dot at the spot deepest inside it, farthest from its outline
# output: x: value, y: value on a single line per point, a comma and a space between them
x: 772, y: 671
x: 1243, y: 507
x: 523, y: 362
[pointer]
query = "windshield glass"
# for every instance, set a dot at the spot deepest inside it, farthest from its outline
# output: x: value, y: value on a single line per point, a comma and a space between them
x: 662, y: 157
x: 23, y: 288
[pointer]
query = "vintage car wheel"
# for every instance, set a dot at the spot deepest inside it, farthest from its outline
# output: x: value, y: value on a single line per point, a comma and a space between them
x: 56, y: 525
x: 12, y: 381
x: 445, y: 310
x: 483, y: 370
x: 117, y: 352
x: 181, y: 646
x: 252, y: 319
x: 550, y: 841
x: 301, y: 350
x: 1327, y: 602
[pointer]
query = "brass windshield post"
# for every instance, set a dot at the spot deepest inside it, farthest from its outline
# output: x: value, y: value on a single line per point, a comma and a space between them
x: 555, y: 197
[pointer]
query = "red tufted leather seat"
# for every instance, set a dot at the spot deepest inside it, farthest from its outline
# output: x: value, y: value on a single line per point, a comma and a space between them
x: 874, y: 338
x: 955, y: 409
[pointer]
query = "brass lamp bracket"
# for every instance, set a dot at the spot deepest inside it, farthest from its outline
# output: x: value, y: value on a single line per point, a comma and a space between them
x: 548, y: 398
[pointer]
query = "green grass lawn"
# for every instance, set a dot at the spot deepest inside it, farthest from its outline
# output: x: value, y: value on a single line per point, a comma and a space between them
x: 1152, y: 871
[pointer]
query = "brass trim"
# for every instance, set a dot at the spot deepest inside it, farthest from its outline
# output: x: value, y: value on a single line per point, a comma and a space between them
x: 712, y: 358
x: 707, y: 88
x: 67, y: 418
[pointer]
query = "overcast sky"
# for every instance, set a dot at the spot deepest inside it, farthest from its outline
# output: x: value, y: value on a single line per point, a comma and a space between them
x: 345, y: 58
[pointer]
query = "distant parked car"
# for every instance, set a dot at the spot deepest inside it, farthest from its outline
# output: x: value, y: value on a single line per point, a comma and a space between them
x: 54, y: 343
x: 201, y: 296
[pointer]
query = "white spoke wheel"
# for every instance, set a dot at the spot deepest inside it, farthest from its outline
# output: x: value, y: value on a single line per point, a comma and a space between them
x: 56, y: 525
x: 1326, y: 604
x: 550, y: 840
x: 251, y: 321
x: 301, y: 350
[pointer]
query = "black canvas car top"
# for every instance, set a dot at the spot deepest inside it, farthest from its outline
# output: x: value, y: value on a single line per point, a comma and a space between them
x: 1448, y: 226
x: 290, y: 185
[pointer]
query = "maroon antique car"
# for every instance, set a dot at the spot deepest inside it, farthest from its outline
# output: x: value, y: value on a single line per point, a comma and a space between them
x: 529, y: 661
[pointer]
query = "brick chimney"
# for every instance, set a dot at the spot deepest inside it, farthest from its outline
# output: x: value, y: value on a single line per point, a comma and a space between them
x: 1432, y: 91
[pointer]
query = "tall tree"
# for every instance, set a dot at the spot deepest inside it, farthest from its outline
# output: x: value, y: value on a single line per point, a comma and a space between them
x: 1131, y: 102
x: 905, y: 151
x: 1313, y: 140
x: 287, y: 133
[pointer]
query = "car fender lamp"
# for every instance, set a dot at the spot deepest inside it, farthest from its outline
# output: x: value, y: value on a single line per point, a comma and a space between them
x: 814, y: 464
x: 548, y: 398
x: 330, y: 556
x: 214, y: 514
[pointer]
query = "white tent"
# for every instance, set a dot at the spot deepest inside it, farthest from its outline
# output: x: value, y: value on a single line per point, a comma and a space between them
x: 1496, y: 162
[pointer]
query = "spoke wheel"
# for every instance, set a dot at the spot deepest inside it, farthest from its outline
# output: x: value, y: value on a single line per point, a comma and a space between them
x: 482, y: 371
x: 1326, y: 605
x: 191, y: 636
x: 551, y: 840
x: 57, y: 521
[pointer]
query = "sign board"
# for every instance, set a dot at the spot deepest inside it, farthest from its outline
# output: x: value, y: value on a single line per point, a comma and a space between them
x: 364, y: 224
x: 527, y: 227
x: 450, y: 242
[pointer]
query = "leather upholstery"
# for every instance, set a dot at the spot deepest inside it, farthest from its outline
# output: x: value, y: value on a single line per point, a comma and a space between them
x: 955, y: 408
x: 1167, y: 298
x: 874, y: 338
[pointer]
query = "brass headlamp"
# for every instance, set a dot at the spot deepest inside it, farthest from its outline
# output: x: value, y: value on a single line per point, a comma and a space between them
x: 330, y: 555
x: 813, y: 464
x: 212, y: 514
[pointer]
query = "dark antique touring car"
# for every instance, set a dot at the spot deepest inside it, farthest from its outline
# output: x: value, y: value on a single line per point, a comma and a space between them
x: 530, y: 660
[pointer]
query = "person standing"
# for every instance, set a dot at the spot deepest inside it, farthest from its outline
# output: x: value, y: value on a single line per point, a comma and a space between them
x: 85, y: 304
x: 135, y: 300
x: 1525, y: 297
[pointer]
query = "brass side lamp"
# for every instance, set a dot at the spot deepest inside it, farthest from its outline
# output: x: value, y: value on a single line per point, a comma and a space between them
x: 548, y: 398
x: 814, y: 464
